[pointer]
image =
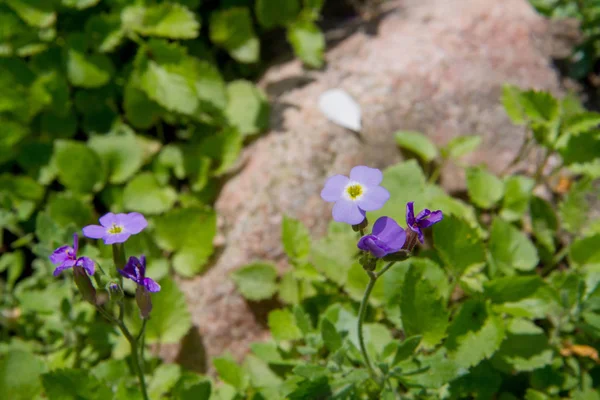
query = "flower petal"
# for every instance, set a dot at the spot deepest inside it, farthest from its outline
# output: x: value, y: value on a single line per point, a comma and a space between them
x: 94, y: 231
x: 133, y: 222
x: 367, y: 176
x: 151, y: 285
x: 334, y: 188
x: 75, y: 243
x: 373, y: 245
x: 410, y: 214
x: 65, y: 265
x: 87, y: 264
x: 347, y: 211
x: 423, y: 214
x: 434, y: 218
x: 108, y: 219
x: 126, y: 273
x: 116, y: 238
x: 60, y: 255
x: 374, y: 198
x: 388, y: 231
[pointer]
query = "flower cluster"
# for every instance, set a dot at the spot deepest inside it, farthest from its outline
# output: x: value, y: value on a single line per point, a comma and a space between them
x: 114, y: 229
x: 361, y: 192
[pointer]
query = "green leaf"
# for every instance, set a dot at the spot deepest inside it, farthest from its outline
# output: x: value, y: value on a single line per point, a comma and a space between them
x: 437, y: 370
x: 169, y: 88
x: 170, y: 318
x: 66, y: 208
x: 574, y: 208
x: 79, y: 168
x: 524, y: 349
x: 417, y: 143
x: 485, y: 189
x: 64, y: 384
x: 334, y: 254
x: 232, y: 29
x: 79, y: 4
x: 512, y: 104
x: 272, y: 13
x: 12, y: 134
x: 539, y: 106
x: 458, y: 245
x: 518, y: 191
x: 188, y: 232
x: 88, y: 70
x: 331, y: 337
x: 256, y: 281
x: 356, y: 282
x: 169, y: 20
x: 283, y: 325
x: 164, y: 378
x: 37, y: 13
x: 261, y: 376
x: 308, y: 42
x: 230, y: 372
x: 144, y: 194
x: 585, y: 251
x: 544, y: 222
x: 510, y: 249
x: 141, y: 112
x: 510, y: 289
x: 423, y: 308
x: 295, y: 238
x: 407, y: 348
x: 581, y: 122
x: 198, y: 391
x: 120, y: 152
x: 19, y: 375
x: 247, y: 109
x: 461, y: 145
x: 475, y: 334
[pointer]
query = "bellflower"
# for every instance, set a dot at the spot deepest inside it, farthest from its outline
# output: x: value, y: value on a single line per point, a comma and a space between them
x: 135, y: 269
x: 355, y: 195
x: 387, y: 237
x: 66, y: 257
x: 116, y: 228
x: 424, y: 219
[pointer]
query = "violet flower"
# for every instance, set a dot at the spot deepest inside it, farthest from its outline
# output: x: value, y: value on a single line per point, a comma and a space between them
x: 135, y: 269
x: 66, y: 257
x: 387, y: 237
x: 355, y: 195
x: 116, y: 228
x: 424, y: 219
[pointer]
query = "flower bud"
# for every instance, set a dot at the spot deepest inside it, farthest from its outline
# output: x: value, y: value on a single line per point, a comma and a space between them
x: 114, y: 292
x: 143, y: 300
x: 368, y: 262
x: 84, y: 284
x: 361, y: 226
x: 397, y: 256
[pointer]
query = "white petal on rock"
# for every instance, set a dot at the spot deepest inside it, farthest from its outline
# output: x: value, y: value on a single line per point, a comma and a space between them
x: 340, y: 108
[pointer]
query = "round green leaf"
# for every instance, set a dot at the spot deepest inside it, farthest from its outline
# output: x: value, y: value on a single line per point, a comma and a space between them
x: 418, y: 143
x: 248, y: 109
x: 121, y: 153
x: 88, y: 70
x: 308, y: 42
x: 19, y: 375
x: 171, y: 318
x: 511, y: 249
x: 272, y: 13
x: 66, y: 208
x: 79, y: 168
x: 256, y: 281
x: 485, y: 189
x: 232, y: 29
x: 144, y: 194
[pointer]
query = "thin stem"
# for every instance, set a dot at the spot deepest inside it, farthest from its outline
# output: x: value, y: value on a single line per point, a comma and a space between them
x: 520, y: 154
x: 361, y: 316
x: 134, y: 355
x: 540, y: 169
x: 384, y: 269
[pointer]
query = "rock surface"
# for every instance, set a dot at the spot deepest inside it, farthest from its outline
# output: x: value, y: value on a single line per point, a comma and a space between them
x: 435, y: 66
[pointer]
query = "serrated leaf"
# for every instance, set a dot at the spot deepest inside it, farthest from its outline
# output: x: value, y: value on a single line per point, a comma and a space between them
x: 120, y: 152
x: 247, y: 109
x: 582, y: 148
x: 539, y: 106
x: 283, y: 325
x: 458, y: 244
x: 524, y: 349
x: 581, y: 122
x: 509, y: 289
x: 232, y: 29
x: 230, y: 372
x: 512, y: 105
x: 437, y: 369
x: 79, y: 168
x: 295, y: 238
x: 423, y: 308
x: 517, y: 192
x: 475, y: 334
x: 331, y: 337
x: 272, y: 13
x: 169, y: 20
x: 256, y: 281
x: 308, y: 42
x: 164, y: 378
x: 169, y: 88
x: 417, y: 143
x: 144, y: 194
x: 585, y: 251
x: 462, y: 145
x: 510, y: 249
x: 66, y: 384
x: 406, y: 349
x: 485, y: 189
x: 170, y: 318
x: 574, y: 207
x: 261, y: 376
x: 333, y: 255
x: 544, y: 222
x: 19, y: 375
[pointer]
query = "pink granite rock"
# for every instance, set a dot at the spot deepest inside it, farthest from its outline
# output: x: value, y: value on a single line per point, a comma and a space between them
x: 436, y: 66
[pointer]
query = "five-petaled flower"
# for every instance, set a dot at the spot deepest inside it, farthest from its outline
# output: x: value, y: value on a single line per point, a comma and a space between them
x: 135, y: 269
x: 387, y: 237
x: 355, y: 195
x: 424, y: 219
x: 116, y: 228
x: 66, y: 257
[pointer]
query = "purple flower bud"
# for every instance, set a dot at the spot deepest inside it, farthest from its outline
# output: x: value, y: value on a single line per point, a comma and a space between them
x: 387, y: 237
x: 424, y: 219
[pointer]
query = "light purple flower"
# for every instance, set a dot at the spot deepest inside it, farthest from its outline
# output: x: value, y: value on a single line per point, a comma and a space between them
x: 116, y: 228
x: 355, y: 195
x: 135, y: 269
x: 387, y: 237
x: 66, y: 257
x: 423, y: 220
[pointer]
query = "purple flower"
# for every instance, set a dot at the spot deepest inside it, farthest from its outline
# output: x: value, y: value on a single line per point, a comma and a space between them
x: 387, y: 237
x: 355, y: 195
x: 116, y: 228
x: 135, y: 269
x: 424, y: 219
x: 66, y: 257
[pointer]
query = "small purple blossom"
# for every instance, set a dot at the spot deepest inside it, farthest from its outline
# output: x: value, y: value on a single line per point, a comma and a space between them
x: 135, y: 269
x: 387, y: 237
x: 424, y: 219
x: 356, y: 195
x: 66, y: 257
x: 116, y: 228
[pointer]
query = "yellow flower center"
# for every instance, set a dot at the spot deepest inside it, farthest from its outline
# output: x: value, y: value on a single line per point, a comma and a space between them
x: 354, y: 191
x: 114, y: 229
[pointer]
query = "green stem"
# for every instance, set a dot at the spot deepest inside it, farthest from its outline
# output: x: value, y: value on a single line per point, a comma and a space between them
x: 361, y: 316
x: 384, y: 269
x: 134, y: 355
